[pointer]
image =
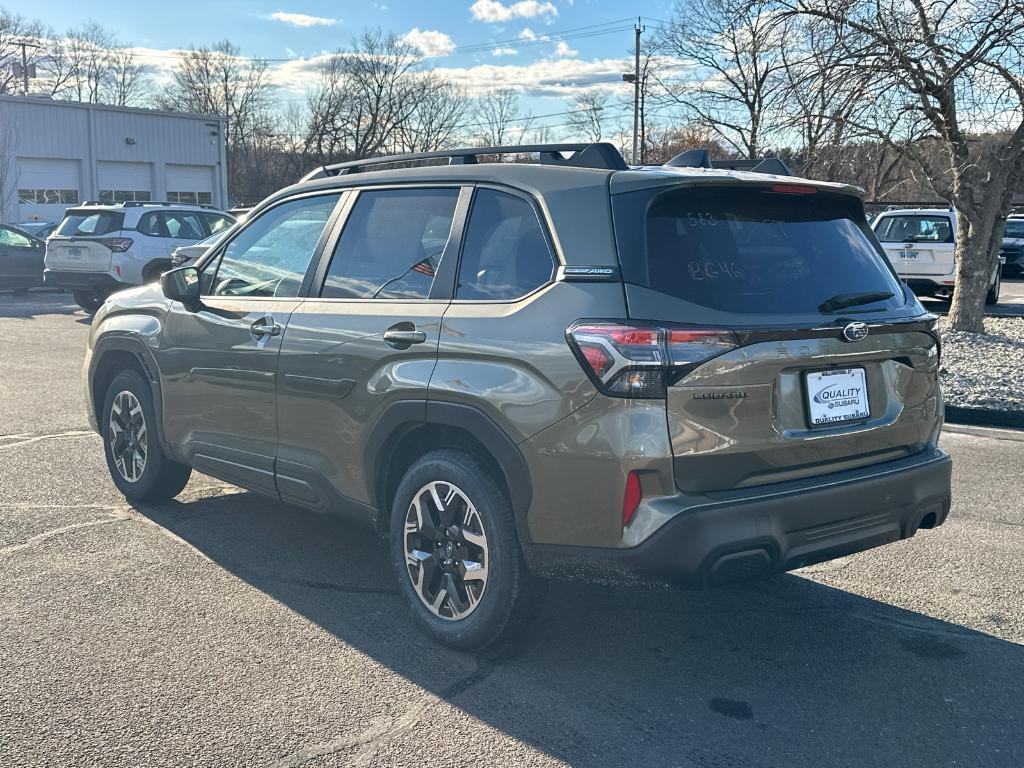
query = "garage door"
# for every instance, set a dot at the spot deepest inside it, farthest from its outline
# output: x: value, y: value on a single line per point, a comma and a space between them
x: 190, y: 184
x: 124, y: 182
x: 46, y: 187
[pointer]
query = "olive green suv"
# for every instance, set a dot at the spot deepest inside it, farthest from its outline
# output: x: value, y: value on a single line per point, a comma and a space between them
x: 700, y: 372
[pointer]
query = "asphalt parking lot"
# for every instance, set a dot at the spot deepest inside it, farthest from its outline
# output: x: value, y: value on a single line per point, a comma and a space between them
x: 226, y: 630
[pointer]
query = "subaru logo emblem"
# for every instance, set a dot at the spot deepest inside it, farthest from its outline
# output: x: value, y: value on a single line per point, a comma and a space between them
x: 855, y: 331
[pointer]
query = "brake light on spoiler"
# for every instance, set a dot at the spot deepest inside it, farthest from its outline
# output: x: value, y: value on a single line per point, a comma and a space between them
x: 640, y: 361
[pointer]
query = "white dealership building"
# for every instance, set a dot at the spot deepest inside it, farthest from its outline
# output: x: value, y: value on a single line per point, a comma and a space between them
x: 56, y: 154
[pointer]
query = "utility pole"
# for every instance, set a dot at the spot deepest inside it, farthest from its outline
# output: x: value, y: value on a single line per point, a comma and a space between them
x: 636, y: 94
x: 25, y: 45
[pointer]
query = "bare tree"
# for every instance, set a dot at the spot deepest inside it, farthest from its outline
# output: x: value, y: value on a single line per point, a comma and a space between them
x: 732, y: 73
x: 364, y: 96
x: 943, y: 72
x: 587, y: 117
x: 220, y: 81
x: 497, y: 113
x: 128, y: 84
x: 435, y: 121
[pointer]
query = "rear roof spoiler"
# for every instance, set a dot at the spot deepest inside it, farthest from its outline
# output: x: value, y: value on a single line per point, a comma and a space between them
x: 701, y: 158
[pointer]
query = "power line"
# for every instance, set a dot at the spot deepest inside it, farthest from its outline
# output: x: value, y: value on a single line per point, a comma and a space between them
x: 573, y: 33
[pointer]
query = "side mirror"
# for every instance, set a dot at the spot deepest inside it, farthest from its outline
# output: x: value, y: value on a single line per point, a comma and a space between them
x: 182, y: 285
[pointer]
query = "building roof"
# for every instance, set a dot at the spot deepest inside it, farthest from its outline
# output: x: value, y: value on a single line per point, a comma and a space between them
x: 40, y: 100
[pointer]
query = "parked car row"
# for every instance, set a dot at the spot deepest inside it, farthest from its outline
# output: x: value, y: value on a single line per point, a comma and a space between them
x: 98, y: 249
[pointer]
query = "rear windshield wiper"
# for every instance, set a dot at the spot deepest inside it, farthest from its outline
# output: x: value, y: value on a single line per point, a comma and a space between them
x: 844, y: 300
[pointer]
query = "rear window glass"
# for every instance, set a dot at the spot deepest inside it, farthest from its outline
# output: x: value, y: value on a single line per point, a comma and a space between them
x: 914, y: 229
x: 84, y: 223
x: 751, y: 250
x: 1014, y: 228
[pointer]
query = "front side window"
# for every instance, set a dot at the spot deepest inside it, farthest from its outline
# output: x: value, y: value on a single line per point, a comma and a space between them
x: 505, y: 255
x: 914, y: 229
x: 392, y: 244
x: 270, y: 256
x: 215, y: 222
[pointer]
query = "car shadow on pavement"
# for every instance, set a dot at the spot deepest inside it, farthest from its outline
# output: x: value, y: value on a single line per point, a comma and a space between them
x: 778, y: 673
x: 37, y: 304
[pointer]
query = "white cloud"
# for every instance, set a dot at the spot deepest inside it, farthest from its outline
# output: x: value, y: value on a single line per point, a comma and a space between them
x: 495, y: 11
x: 302, y: 19
x: 564, y: 50
x: 429, y: 42
x: 504, y: 52
x: 546, y: 78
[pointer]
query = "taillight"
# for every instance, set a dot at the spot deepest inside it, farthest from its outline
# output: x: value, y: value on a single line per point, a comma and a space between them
x: 117, y: 244
x: 793, y: 189
x: 641, y: 361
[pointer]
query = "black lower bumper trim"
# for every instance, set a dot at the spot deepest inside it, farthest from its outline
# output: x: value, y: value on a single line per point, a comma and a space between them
x: 101, y: 282
x: 739, y: 539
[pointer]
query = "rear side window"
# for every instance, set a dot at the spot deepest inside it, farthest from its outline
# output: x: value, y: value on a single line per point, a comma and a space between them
x: 149, y: 224
x: 751, y: 250
x: 183, y: 226
x: 914, y: 229
x: 85, y: 223
x: 391, y: 245
x: 505, y: 254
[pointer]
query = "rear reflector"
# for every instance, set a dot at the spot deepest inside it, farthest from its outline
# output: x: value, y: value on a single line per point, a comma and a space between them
x: 631, y: 497
x: 637, y: 360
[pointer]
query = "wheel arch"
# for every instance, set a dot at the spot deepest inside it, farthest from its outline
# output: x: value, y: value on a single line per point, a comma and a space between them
x: 113, y: 354
x: 409, y: 429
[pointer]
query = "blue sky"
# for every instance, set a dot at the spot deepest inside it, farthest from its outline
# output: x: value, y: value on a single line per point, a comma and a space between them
x: 545, y: 49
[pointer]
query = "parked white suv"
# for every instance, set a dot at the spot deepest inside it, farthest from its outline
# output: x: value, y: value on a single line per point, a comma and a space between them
x: 921, y: 245
x: 102, y: 248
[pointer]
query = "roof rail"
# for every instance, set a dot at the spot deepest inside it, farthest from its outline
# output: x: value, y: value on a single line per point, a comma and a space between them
x: 143, y: 204
x: 701, y: 158
x: 600, y: 155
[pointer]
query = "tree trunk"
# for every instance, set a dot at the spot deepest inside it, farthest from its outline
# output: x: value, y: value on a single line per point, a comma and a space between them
x: 977, y: 251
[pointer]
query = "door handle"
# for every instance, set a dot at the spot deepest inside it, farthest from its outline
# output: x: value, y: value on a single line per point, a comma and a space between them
x: 404, y: 335
x: 265, y: 326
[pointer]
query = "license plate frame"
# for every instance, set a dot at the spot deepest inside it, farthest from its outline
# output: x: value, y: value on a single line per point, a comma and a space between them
x: 840, y: 380
x: 74, y: 253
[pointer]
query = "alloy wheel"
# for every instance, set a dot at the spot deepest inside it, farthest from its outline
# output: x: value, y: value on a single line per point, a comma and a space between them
x: 128, y: 436
x: 446, y: 550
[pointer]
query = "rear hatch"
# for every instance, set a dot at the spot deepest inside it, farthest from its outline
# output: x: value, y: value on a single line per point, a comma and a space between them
x: 86, y: 240
x: 794, y: 350
x: 917, y: 244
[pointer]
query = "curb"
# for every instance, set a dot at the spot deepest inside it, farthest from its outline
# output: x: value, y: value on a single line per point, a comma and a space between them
x: 984, y: 417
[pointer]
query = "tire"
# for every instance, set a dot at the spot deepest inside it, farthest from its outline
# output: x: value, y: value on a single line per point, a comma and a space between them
x: 992, y: 297
x: 141, y: 475
x: 90, y: 301
x: 152, y: 273
x: 482, y: 612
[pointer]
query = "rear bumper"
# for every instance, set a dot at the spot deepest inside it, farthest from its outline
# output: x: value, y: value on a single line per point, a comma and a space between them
x: 784, y: 528
x: 927, y: 286
x: 101, y: 282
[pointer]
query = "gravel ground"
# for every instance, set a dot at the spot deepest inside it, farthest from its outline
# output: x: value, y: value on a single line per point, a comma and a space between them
x: 985, y: 370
